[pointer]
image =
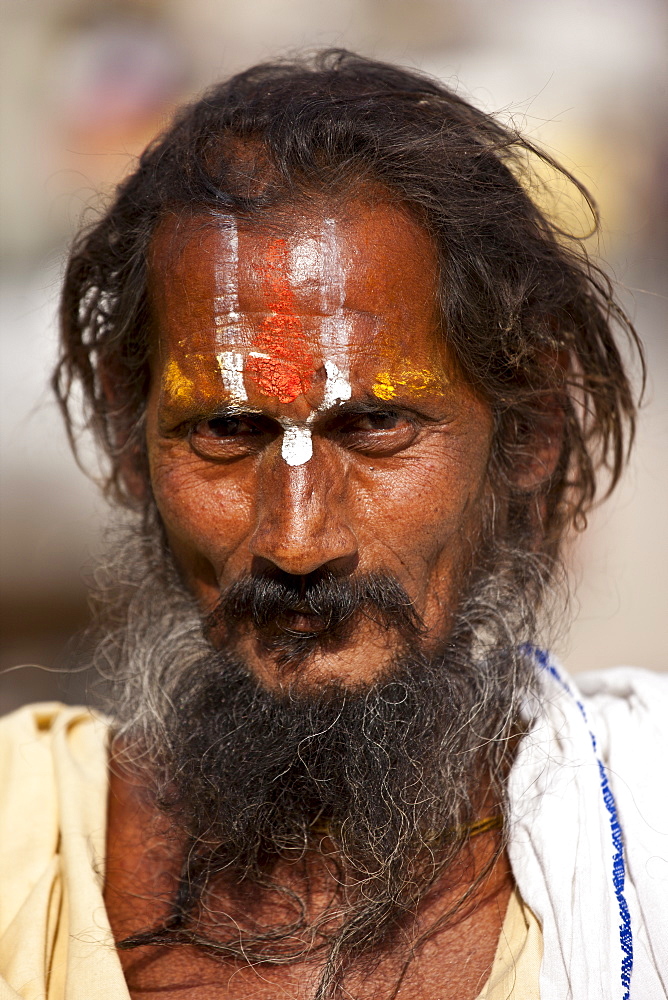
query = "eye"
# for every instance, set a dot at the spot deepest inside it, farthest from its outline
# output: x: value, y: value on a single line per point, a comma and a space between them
x: 223, y: 427
x: 378, y: 432
x: 377, y: 421
x: 222, y: 438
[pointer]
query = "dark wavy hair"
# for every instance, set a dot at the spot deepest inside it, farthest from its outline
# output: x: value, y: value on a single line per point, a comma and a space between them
x: 529, y: 318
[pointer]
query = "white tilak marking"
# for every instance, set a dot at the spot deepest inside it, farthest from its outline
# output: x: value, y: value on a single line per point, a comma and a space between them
x: 231, y: 365
x: 335, y: 328
x: 226, y: 299
x: 297, y: 445
x: 313, y: 261
x: 318, y: 262
x: 337, y: 386
x: 226, y: 314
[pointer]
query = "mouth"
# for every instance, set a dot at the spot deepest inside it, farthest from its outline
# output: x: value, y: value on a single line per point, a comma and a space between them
x: 290, y: 623
x: 294, y: 635
x: 302, y: 622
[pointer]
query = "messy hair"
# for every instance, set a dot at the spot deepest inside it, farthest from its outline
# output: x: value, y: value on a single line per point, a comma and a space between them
x: 528, y: 317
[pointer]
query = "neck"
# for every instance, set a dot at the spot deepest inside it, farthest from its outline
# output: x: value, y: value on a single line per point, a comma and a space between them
x: 144, y: 858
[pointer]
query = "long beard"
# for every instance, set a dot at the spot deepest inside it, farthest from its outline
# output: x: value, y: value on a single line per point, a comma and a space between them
x: 390, y: 773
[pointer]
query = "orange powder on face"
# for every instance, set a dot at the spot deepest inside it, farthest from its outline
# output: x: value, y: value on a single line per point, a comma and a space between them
x: 281, y: 363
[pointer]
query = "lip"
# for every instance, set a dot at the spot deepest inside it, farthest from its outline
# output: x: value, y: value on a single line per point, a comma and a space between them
x: 295, y: 621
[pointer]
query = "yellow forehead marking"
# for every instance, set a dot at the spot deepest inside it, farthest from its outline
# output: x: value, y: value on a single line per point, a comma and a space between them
x: 176, y: 384
x: 384, y: 387
x: 416, y: 380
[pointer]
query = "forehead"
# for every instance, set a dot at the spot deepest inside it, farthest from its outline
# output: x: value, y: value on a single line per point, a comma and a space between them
x: 373, y: 261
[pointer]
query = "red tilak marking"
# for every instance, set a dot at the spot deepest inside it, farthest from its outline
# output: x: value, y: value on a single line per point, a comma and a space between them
x: 288, y: 371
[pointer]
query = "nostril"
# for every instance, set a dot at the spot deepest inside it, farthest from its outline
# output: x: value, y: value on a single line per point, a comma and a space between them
x: 300, y: 583
x: 265, y: 568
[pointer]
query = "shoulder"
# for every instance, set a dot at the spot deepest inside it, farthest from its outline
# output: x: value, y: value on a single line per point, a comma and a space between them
x: 53, y: 764
x: 628, y: 707
x: 39, y: 742
x: 634, y: 687
x: 611, y: 725
x: 36, y: 720
x: 590, y: 826
x: 628, y: 710
x: 34, y: 730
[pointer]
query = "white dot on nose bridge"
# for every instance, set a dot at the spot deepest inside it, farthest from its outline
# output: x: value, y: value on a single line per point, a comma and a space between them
x: 297, y: 446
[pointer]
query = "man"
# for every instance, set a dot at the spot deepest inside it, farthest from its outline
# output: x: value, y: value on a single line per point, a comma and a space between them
x: 354, y: 388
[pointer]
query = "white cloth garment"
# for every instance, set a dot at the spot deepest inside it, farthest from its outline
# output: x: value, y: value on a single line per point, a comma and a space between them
x: 589, y: 833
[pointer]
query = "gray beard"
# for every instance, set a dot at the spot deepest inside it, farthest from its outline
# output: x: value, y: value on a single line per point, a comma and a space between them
x: 249, y: 777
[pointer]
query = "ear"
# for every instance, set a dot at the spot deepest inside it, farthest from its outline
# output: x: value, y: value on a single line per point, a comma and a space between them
x: 539, y: 446
x: 129, y: 450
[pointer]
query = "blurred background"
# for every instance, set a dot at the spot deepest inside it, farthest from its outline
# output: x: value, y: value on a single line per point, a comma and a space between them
x: 87, y: 84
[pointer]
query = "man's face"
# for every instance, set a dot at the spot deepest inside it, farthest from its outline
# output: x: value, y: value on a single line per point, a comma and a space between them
x: 304, y: 419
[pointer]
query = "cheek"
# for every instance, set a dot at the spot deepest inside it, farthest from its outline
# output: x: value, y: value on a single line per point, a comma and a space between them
x: 206, y: 516
x: 432, y: 504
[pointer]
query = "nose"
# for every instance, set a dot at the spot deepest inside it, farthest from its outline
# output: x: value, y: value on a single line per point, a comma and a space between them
x: 303, y: 522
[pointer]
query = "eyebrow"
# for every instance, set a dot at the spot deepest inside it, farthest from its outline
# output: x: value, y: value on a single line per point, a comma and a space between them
x: 172, y: 413
x: 368, y: 403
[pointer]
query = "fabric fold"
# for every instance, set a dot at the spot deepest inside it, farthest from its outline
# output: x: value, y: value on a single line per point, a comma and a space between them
x: 587, y: 819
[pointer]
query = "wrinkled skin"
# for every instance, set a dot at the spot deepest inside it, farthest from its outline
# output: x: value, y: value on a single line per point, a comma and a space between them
x: 400, y: 488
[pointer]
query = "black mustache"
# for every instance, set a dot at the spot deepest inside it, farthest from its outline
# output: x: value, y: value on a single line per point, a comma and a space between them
x: 264, y: 601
